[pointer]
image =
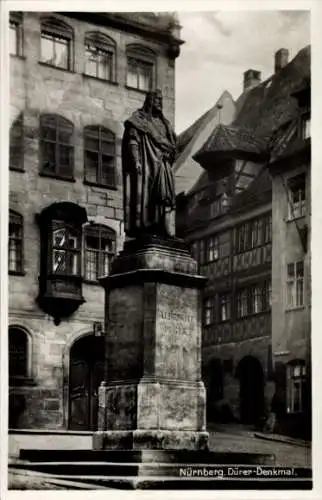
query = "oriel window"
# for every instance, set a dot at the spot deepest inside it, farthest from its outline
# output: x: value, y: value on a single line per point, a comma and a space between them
x: 15, y: 250
x: 99, y: 251
x: 99, y: 156
x: 56, y: 146
x: 66, y: 249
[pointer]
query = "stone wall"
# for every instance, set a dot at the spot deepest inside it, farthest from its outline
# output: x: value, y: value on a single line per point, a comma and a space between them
x: 35, y: 89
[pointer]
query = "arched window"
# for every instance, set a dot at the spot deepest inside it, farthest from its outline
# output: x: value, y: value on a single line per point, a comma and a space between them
x: 16, y: 34
x: 100, y: 243
x: 56, y: 146
x: 100, y: 56
x: 15, y: 250
x: 18, y: 354
x: 56, y: 47
x: 141, y: 68
x: 99, y: 156
x: 16, y: 144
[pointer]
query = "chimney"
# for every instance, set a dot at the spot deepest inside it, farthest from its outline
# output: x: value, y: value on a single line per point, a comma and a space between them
x: 281, y: 59
x: 251, y: 79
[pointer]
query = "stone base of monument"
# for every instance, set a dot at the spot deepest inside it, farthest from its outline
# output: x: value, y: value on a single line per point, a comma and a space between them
x: 152, y: 403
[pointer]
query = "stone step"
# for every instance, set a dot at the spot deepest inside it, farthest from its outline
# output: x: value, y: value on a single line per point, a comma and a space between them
x: 147, y: 456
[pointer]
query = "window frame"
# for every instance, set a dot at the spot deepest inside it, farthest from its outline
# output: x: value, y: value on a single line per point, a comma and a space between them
x: 110, y: 235
x: 292, y: 378
x: 253, y: 233
x: 27, y: 377
x: 208, y: 311
x: 107, y: 46
x: 17, y: 126
x: 295, y: 285
x: 54, y: 29
x: 253, y: 299
x: 95, y: 132
x: 227, y: 302
x: 69, y: 253
x: 16, y: 219
x: 141, y: 56
x: 299, y: 188
x: 61, y: 124
x: 16, y: 21
x: 212, y: 249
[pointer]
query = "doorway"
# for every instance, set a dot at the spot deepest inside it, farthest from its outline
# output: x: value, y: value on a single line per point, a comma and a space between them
x: 86, y: 372
x: 251, y: 390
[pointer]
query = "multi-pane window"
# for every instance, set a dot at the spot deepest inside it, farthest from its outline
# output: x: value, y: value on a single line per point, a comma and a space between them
x: 253, y: 299
x: 15, y: 250
x: 99, y: 156
x: 212, y: 248
x: 253, y: 233
x: 216, y: 207
x: 297, y: 197
x: 18, y: 353
x: 56, y: 44
x: 296, y: 387
x: 56, y: 146
x: 295, y: 284
x: 15, y: 34
x: 99, y: 56
x: 66, y: 249
x: 16, y: 153
x: 208, y: 311
x: 140, y: 68
x: 99, y: 251
x: 224, y: 307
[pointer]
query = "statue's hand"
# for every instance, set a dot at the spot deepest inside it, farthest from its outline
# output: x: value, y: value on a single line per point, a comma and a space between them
x: 138, y: 168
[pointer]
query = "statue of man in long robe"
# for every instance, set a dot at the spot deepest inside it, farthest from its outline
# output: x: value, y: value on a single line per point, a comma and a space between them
x: 148, y: 153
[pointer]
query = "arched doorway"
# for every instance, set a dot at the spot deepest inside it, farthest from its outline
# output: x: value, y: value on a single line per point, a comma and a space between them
x: 86, y: 371
x: 251, y: 389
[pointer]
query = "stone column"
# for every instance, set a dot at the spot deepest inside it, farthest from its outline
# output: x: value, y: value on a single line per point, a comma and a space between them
x: 153, y: 396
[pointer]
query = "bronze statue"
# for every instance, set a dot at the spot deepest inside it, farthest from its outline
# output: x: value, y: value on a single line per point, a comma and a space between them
x: 148, y: 153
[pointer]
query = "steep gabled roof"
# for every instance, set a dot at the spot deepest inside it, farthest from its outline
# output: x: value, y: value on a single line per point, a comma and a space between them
x: 265, y: 108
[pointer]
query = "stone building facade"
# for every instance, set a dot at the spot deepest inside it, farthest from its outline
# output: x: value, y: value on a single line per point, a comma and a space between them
x: 227, y: 218
x: 290, y: 168
x: 74, y: 79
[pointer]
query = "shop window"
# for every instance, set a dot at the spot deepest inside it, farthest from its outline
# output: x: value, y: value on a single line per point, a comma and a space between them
x: 100, y: 249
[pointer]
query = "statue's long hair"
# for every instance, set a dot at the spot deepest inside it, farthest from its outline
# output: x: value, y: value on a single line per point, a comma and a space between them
x: 149, y: 99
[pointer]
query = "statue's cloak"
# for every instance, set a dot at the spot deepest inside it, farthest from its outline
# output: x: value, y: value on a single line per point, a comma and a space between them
x: 148, y: 195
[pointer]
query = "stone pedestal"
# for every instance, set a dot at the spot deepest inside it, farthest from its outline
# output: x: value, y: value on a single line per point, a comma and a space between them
x: 153, y: 396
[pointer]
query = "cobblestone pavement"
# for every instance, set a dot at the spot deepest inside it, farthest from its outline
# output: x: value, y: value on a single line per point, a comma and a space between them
x: 239, y: 440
